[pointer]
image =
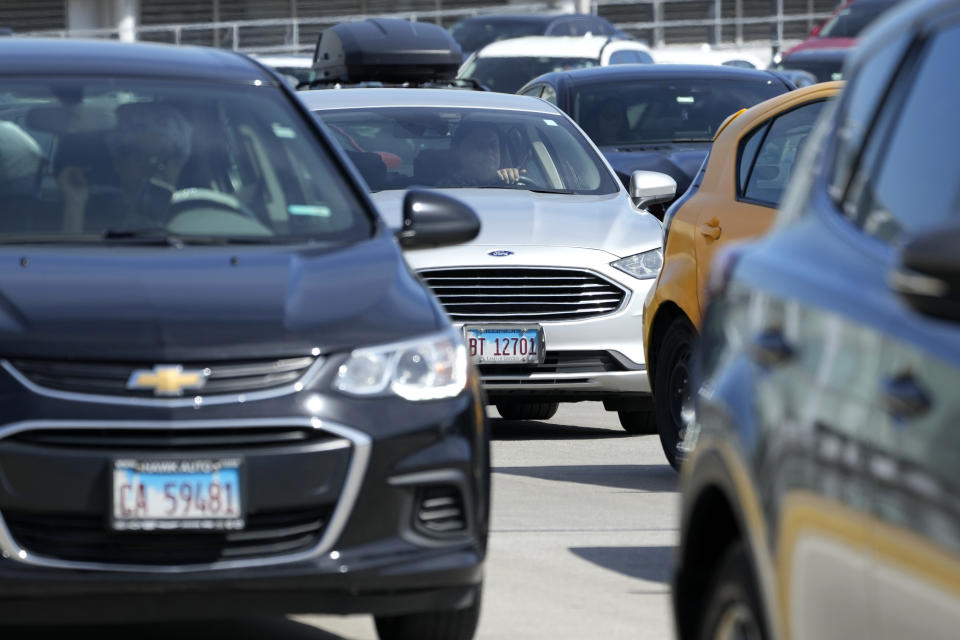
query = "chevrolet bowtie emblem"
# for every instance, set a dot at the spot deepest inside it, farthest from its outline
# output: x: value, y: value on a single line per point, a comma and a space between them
x: 167, y: 380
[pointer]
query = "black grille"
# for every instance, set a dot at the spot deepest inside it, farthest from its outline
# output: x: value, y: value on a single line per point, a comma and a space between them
x: 560, y: 362
x: 524, y: 293
x: 440, y: 511
x: 83, y: 538
x: 111, y: 377
x: 172, y: 439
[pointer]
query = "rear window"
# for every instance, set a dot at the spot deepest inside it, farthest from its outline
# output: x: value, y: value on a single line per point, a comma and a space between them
x: 507, y: 75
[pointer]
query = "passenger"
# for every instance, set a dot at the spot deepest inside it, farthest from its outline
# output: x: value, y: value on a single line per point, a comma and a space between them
x: 476, y: 158
x: 608, y: 124
x: 147, y: 149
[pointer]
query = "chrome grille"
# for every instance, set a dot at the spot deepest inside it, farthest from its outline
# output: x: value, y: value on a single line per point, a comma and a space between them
x: 522, y: 293
x: 110, y: 378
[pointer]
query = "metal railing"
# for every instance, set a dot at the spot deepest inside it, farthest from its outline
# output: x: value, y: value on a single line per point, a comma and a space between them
x: 296, y: 35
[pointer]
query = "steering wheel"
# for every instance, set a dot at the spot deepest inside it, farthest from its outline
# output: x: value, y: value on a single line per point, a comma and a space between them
x: 198, y: 210
x: 184, y: 200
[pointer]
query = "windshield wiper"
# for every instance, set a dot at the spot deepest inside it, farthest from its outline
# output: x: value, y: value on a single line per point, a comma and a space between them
x: 162, y: 237
x: 568, y: 192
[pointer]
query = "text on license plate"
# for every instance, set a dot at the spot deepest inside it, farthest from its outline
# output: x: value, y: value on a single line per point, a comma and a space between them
x: 177, y: 494
x: 486, y: 344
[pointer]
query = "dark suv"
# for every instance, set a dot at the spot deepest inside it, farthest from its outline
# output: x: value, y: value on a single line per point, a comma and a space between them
x: 225, y: 391
x: 820, y: 495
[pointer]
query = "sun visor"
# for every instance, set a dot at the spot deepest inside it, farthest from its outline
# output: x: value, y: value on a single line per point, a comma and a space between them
x: 386, y: 50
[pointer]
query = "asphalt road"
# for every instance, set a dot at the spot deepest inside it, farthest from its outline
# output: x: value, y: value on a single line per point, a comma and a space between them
x: 582, y: 542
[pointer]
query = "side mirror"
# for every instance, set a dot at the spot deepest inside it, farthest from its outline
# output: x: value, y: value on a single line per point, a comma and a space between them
x: 928, y: 276
x: 651, y: 187
x: 432, y: 219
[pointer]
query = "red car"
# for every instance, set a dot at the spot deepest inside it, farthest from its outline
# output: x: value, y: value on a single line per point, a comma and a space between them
x: 842, y: 29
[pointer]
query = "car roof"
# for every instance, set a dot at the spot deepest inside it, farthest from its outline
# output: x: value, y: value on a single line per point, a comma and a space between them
x: 289, y: 60
x: 619, y: 72
x: 836, y: 53
x: 554, y: 47
x: 529, y: 18
x: 400, y: 97
x: 66, y: 56
x: 746, y: 119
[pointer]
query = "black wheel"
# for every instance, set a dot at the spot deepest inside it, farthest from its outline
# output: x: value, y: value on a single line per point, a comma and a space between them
x: 641, y: 422
x: 733, y: 609
x: 671, y: 386
x: 527, y: 410
x: 459, y: 624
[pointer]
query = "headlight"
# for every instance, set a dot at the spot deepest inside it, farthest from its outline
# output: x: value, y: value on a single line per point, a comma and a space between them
x: 428, y: 368
x: 643, y: 266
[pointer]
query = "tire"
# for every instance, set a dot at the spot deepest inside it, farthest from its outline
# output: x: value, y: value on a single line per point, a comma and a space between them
x: 642, y: 422
x: 733, y: 610
x: 458, y: 624
x: 527, y: 410
x: 671, y: 385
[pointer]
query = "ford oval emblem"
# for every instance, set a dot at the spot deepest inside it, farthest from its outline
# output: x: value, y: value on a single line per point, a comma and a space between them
x: 500, y: 254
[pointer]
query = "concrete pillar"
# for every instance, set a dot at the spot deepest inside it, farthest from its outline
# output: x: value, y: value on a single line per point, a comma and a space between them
x: 87, y: 15
x: 83, y: 15
x: 582, y: 6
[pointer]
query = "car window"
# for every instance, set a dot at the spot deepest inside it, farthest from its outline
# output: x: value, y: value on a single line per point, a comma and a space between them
x: 549, y: 94
x: 630, y: 56
x: 474, y: 34
x: 104, y: 157
x: 849, y: 22
x: 862, y: 97
x: 748, y: 153
x: 567, y: 27
x: 907, y: 181
x: 641, y: 112
x: 424, y: 147
x: 533, y: 91
x: 507, y: 75
x: 777, y: 154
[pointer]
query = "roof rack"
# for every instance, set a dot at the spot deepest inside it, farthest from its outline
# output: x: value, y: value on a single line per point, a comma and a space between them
x: 382, y: 52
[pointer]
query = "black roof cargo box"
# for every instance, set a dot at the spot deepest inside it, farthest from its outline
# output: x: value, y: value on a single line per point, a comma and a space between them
x: 386, y: 50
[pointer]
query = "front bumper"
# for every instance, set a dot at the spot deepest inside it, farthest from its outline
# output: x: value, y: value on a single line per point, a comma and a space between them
x: 335, y: 517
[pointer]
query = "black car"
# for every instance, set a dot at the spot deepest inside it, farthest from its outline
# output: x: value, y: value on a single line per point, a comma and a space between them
x: 476, y: 32
x: 655, y: 117
x: 820, y: 488
x: 823, y: 64
x: 225, y: 390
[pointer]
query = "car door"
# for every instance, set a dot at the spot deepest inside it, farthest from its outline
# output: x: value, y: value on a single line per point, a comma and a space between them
x: 904, y: 186
x: 746, y: 207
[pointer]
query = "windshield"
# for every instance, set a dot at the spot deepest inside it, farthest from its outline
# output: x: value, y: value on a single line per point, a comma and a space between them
x: 507, y: 75
x: 398, y: 147
x: 476, y: 34
x: 106, y: 159
x: 628, y: 113
x: 852, y: 20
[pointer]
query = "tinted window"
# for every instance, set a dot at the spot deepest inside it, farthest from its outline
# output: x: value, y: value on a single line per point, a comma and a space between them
x: 912, y: 185
x: 629, y: 57
x: 88, y: 156
x: 862, y: 97
x: 778, y: 153
x: 643, y: 112
x: 472, y: 35
x: 534, y: 91
x: 422, y: 146
x: 507, y: 75
x: 549, y: 94
x: 853, y: 19
x: 748, y: 153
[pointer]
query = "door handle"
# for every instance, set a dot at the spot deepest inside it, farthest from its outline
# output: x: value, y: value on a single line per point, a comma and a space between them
x: 770, y: 348
x: 711, y: 229
x: 904, y: 398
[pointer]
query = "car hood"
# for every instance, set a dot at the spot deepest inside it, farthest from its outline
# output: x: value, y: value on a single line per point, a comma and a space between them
x: 679, y: 161
x: 206, y: 303
x: 515, y: 217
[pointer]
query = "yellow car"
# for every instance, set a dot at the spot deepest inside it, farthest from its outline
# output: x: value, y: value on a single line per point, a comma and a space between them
x: 734, y: 196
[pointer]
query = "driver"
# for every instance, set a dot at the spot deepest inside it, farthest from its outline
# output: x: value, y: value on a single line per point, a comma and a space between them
x: 476, y: 153
x: 148, y: 149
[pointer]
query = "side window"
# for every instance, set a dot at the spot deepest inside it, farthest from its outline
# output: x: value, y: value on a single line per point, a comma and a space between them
x: 777, y: 154
x: 863, y: 96
x: 549, y: 94
x: 562, y: 28
x: 748, y: 153
x: 534, y: 91
x: 907, y: 181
